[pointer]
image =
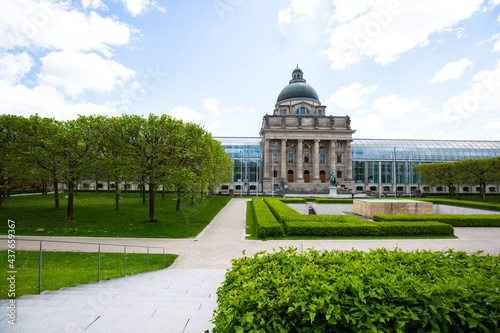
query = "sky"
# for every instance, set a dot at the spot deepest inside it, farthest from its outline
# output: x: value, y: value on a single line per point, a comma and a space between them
x: 400, y: 69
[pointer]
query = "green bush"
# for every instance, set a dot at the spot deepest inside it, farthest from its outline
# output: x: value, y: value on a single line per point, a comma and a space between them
x: 464, y: 203
x: 293, y: 200
x: 353, y: 291
x: 333, y: 201
x: 297, y: 224
x: 266, y: 224
x: 456, y: 220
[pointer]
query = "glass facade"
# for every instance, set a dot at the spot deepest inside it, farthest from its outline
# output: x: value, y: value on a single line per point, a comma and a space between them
x: 375, y: 161
x: 246, y: 154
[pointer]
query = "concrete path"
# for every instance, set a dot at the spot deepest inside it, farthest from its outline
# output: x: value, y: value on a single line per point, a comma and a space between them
x: 182, y: 299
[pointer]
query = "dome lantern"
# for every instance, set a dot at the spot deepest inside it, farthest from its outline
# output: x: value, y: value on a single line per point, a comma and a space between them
x: 298, y: 88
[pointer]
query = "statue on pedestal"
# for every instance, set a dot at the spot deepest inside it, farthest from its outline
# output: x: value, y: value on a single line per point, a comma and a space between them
x: 333, y: 179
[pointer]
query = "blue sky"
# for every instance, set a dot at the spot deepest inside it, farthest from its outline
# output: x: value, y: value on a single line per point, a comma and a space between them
x: 400, y: 69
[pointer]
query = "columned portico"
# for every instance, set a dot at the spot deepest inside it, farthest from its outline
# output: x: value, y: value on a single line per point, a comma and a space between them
x: 300, y: 160
x: 333, y: 156
x: 316, y: 161
x: 267, y: 159
x: 283, y: 160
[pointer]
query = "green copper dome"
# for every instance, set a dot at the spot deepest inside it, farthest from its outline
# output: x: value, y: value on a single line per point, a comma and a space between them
x: 298, y: 88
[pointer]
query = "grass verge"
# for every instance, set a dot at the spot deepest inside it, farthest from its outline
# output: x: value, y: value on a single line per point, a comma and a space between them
x: 67, y: 269
x: 95, y: 216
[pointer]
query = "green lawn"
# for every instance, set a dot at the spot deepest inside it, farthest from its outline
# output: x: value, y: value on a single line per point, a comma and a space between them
x: 67, y: 269
x: 95, y: 216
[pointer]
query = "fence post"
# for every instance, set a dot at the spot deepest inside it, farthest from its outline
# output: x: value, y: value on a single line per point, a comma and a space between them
x: 99, y: 264
x: 40, y: 270
x: 148, y: 258
x: 124, y: 260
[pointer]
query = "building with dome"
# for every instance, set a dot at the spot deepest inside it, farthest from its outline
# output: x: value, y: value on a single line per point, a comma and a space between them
x: 300, y: 145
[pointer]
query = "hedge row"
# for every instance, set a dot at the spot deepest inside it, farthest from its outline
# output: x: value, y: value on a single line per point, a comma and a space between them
x: 303, y: 228
x: 464, y: 203
x: 297, y: 224
x: 266, y: 224
x: 456, y: 220
x: 354, y: 291
x: 293, y: 200
x: 333, y: 201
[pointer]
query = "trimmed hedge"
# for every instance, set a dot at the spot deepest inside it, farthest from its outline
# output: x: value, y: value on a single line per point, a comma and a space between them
x: 333, y: 201
x: 266, y: 224
x: 463, y: 203
x: 367, y: 228
x: 293, y: 200
x: 296, y: 224
x: 456, y: 220
x: 354, y: 291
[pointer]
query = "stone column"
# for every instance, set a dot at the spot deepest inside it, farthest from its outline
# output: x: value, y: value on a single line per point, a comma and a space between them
x: 333, y: 158
x: 348, y: 159
x: 283, y: 159
x: 267, y: 159
x: 299, y: 177
x: 316, y: 161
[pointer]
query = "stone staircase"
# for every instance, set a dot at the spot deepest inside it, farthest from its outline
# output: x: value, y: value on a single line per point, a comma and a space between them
x: 169, y: 300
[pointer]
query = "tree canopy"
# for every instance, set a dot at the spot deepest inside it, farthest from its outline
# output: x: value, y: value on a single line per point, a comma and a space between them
x: 154, y: 150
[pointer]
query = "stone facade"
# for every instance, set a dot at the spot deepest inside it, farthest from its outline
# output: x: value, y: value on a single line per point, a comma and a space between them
x: 376, y: 207
x: 302, y: 145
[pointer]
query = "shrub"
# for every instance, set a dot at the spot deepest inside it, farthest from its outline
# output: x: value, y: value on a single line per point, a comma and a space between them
x: 464, y: 203
x: 333, y: 201
x: 293, y: 200
x: 411, y: 228
x: 266, y: 224
x: 456, y: 220
x: 353, y: 291
x: 342, y: 229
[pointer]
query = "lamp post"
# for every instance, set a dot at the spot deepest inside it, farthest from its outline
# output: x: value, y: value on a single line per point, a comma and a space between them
x: 395, y: 175
x: 272, y: 177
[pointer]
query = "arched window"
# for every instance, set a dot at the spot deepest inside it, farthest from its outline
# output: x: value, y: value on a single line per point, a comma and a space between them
x: 224, y: 187
x: 302, y: 111
x: 339, y: 174
x: 290, y: 176
x: 492, y: 189
x: 387, y: 188
x: 373, y: 188
x: 400, y: 188
x: 466, y: 189
x: 359, y: 188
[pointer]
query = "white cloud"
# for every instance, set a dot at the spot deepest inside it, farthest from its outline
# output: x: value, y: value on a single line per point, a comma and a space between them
x: 285, y: 16
x: 369, y: 126
x: 296, y: 9
x: 395, y: 106
x: 94, y: 4
x: 390, y: 28
x: 494, y: 124
x: 496, y: 46
x: 47, y: 102
x: 483, y: 96
x: 13, y: 67
x: 211, y: 104
x: 453, y: 70
x: 350, y: 97
x: 76, y: 72
x: 137, y: 7
x: 346, y: 10
x: 186, y: 114
x: 56, y: 26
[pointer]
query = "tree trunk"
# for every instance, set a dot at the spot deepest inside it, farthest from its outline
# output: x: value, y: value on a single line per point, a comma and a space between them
x: 178, y: 208
x: 163, y: 192
x: 151, y: 202
x: 126, y: 189
x: 96, y: 187
x: 109, y: 183
x: 192, y: 199
x: 143, y: 191
x: 483, y: 191
x: 69, y: 212
x: 56, y: 193
x: 202, y: 195
x: 117, y: 199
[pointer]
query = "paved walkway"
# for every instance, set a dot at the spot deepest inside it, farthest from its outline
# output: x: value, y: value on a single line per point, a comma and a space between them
x: 182, y: 299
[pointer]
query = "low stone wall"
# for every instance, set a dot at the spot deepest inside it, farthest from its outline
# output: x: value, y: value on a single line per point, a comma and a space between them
x: 448, y: 209
x: 374, y: 207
